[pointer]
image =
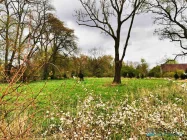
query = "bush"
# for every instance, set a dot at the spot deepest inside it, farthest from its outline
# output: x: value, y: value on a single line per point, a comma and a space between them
x: 172, y: 74
x: 180, y: 72
x: 98, y: 72
x: 142, y: 76
x: 176, y: 76
x: 65, y: 76
x: 131, y: 75
x: 129, y: 71
x: 155, y: 72
x: 169, y: 74
x: 19, y: 116
x: 183, y: 76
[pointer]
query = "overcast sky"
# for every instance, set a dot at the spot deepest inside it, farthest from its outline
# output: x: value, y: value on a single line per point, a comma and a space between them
x: 143, y: 44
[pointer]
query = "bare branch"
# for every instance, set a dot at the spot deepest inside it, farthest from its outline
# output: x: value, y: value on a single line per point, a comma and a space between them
x: 170, y: 15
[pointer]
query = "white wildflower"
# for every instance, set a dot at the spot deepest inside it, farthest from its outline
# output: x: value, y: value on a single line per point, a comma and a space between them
x: 183, y: 85
x: 52, y: 118
x: 175, y: 120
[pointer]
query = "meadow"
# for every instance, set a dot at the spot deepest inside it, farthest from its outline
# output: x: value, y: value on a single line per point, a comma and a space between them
x: 94, y: 109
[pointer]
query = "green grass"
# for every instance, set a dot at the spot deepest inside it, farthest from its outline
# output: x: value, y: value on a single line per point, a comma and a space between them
x: 99, y: 85
x: 68, y: 92
x: 70, y: 88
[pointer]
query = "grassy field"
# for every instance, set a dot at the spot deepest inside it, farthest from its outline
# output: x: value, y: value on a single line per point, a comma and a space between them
x: 101, y: 86
x: 94, y: 108
x: 68, y: 91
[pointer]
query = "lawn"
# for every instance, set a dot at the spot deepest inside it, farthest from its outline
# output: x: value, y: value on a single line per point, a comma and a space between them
x: 102, y: 86
x: 69, y: 91
x: 95, y: 108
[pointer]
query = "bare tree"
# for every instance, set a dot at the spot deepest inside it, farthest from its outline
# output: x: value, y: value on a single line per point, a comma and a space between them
x: 55, y: 41
x: 109, y: 16
x: 22, y: 24
x: 15, y: 21
x: 171, y: 17
x: 96, y: 61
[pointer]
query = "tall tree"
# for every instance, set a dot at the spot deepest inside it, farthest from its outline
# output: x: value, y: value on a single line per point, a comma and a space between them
x: 56, y: 40
x: 104, y: 15
x: 143, y: 68
x: 15, y: 22
x: 171, y: 17
x: 99, y: 64
x: 64, y: 40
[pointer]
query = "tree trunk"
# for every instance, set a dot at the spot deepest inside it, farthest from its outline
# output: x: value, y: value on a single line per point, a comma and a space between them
x: 45, y: 71
x: 118, y: 65
x: 117, y: 76
x: 53, y: 76
x: 53, y: 57
x: 6, y: 67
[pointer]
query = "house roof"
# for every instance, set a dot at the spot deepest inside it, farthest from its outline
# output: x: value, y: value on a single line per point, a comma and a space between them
x: 173, y: 67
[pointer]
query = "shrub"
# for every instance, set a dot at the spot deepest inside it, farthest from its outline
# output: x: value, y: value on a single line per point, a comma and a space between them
x: 176, y: 76
x: 65, y: 76
x: 183, y: 76
x: 180, y: 72
x: 18, y: 114
x: 155, y: 72
x: 129, y: 71
x: 169, y: 74
x: 138, y: 77
x: 131, y: 75
x: 142, y: 76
